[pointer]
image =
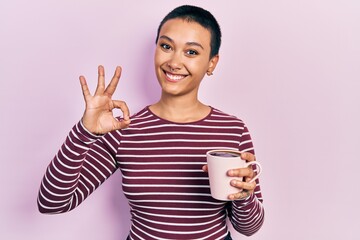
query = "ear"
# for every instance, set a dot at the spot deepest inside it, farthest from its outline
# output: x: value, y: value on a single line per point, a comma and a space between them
x: 212, y: 64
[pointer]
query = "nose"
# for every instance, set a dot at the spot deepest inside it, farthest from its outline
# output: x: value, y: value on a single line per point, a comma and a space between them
x: 175, y: 62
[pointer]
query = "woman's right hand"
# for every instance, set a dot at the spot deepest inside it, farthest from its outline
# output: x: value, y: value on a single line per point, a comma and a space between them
x: 98, y: 117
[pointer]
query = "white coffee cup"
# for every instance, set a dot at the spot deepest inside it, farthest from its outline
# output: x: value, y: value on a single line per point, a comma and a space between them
x: 219, y: 162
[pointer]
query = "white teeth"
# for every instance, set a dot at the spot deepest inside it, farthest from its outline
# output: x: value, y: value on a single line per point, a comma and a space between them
x: 175, y: 77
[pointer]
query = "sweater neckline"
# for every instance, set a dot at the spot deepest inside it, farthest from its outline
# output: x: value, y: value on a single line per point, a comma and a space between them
x: 180, y: 123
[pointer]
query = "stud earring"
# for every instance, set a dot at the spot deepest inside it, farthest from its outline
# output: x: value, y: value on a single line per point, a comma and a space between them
x: 209, y: 73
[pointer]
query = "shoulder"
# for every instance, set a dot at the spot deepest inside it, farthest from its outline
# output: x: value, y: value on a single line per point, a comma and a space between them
x: 225, y: 117
x: 144, y: 116
x: 140, y: 120
x: 141, y: 116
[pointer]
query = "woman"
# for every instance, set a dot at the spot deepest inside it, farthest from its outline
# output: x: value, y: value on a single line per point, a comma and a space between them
x: 161, y: 150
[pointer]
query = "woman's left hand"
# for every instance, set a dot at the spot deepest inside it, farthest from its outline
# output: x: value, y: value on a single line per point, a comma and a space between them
x: 246, y: 187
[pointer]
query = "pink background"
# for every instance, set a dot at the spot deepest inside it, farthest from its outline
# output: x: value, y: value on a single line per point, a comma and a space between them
x: 290, y: 69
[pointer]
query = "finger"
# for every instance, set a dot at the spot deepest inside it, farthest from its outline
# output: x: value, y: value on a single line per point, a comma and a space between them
x: 123, y: 107
x: 84, y: 87
x: 241, y: 172
x: 205, y: 168
x: 114, y: 82
x: 249, y: 186
x: 239, y: 195
x: 121, y: 124
x: 101, y: 81
x: 251, y: 179
x: 249, y: 157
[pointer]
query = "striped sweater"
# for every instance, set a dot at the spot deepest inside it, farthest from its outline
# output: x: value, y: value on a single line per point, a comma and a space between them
x: 162, y: 178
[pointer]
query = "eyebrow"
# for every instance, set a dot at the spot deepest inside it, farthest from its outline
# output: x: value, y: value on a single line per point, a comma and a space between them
x: 188, y: 43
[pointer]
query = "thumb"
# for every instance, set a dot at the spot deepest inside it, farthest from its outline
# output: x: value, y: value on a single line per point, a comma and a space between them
x: 121, y: 124
x: 123, y: 107
x: 247, y: 156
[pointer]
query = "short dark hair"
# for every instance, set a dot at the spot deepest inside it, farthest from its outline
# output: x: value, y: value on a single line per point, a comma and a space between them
x: 201, y: 16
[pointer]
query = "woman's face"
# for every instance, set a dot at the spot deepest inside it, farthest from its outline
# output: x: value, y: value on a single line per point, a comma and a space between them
x: 182, y: 57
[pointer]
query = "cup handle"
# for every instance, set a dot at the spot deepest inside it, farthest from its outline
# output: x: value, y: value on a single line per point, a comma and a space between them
x: 259, y: 170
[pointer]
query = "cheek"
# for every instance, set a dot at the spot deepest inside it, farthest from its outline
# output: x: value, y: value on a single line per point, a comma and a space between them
x: 158, y: 63
x: 160, y: 57
x: 156, y: 58
x: 197, y: 67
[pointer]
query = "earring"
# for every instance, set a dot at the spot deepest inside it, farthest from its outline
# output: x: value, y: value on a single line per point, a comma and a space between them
x: 209, y: 73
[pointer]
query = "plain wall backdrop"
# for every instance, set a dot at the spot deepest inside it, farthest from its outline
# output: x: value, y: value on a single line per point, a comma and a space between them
x: 290, y: 69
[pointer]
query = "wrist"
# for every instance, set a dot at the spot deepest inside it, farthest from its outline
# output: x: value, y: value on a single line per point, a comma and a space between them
x: 86, y: 132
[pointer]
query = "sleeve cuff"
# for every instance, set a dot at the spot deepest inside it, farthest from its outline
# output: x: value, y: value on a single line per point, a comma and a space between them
x: 86, y: 133
x: 244, y: 202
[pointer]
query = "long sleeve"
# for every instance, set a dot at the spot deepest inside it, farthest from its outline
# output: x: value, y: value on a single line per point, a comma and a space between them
x: 81, y: 165
x: 247, y: 215
x: 168, y: 192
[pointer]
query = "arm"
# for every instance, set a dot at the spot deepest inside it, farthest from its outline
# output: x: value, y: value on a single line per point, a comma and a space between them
x: 246, y: 214
x: 86, y: 159
x: 81, y: 165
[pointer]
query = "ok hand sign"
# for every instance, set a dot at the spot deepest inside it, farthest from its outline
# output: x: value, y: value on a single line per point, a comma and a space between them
x: 98, y: 117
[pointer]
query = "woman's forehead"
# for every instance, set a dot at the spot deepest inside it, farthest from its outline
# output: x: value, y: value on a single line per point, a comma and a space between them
x: 180, y: 30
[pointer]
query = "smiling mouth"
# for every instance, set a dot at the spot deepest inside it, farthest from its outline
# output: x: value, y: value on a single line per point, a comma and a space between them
x: 174, y: 77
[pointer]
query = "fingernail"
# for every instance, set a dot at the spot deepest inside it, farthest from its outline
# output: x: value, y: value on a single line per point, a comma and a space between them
x: 233, y: 182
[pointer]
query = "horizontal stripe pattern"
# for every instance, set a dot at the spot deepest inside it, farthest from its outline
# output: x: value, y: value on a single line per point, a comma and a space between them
x: 161, y: 164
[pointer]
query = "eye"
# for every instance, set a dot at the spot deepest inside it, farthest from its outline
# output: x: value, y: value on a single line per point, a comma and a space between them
x: 192, y: 52
x: 165, y: 46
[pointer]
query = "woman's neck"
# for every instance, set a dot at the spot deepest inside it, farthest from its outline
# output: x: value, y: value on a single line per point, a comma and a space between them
x: 180, y: 110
